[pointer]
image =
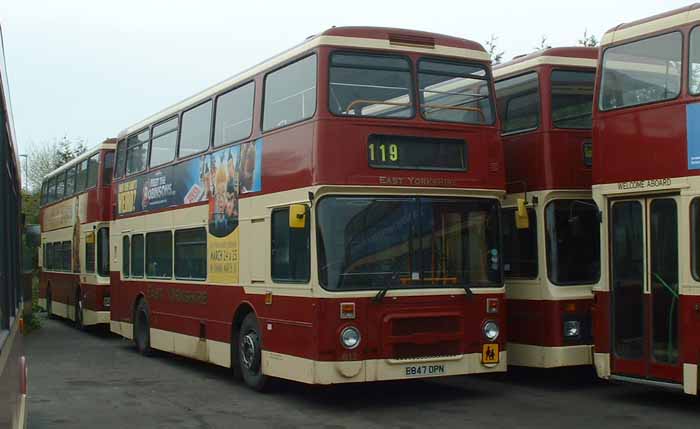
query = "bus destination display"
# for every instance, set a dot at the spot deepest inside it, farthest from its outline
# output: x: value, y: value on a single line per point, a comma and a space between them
x: 416, y: 153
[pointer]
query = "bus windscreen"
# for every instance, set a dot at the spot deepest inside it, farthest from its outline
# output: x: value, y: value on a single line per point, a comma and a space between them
x: 402, y: 242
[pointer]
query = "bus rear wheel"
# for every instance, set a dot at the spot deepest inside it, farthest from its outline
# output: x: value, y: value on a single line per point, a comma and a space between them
x: 142, y: 329
x: 49, y: 309
x: 79, y: 323
x: 250, y: 354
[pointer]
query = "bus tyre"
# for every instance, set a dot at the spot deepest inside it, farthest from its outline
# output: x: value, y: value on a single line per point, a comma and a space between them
x: 250, y: 354
x: 79, y: 312
x: 49, y: 309
x: 142, y: 329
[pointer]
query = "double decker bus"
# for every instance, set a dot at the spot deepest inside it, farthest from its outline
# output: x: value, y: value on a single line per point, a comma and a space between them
x: 74, y: 256
x: 13, y: 363
x: 331, y: 215
x: 646, y: 183
x: 550, y: 222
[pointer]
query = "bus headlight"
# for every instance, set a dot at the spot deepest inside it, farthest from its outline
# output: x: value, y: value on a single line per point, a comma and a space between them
x: 491, y: 330
x: 572, y: 329
x: 350, y: 337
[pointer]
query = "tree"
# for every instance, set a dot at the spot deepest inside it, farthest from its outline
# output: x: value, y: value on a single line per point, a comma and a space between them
x: 492, y: 49
x: 46, y: 157
x: 543, y: 44
x: 589, y: 41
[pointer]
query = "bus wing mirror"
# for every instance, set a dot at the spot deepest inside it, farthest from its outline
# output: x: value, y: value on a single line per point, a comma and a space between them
x: 297, y: 216
x: 522, y: 220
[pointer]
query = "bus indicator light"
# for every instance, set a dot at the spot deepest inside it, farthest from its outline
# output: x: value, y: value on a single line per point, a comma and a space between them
x: 492, y: 305
x: 347, y: 310
x: 570, y: 307
x: 268, y: 298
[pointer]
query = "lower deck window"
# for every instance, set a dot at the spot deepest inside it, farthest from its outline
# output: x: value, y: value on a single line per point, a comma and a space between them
x: 290, y: 249
x: 519, y: 246
x: 695, y: 238
x: 191, y: 254
x: 159, y: 254
x: 573, y: 242
x: 137, y: 255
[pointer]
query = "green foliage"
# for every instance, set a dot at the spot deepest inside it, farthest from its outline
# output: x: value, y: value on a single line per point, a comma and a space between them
x: 543, y: 44
x: 492, y: 49
x: 588, y: 40
x: 30, y: 206
x: 48, y: 156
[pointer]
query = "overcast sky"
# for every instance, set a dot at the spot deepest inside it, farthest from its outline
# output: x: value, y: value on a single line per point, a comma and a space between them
x: 91, y: 68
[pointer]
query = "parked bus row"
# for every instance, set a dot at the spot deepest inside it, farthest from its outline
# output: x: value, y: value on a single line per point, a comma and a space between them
x: 379, y: 204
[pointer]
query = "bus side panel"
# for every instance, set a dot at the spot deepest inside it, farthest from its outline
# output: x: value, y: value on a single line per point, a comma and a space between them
x: 602, y: 328
x: 541, y: 322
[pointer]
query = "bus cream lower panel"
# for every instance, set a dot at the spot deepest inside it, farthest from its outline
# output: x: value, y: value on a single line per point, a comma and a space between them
x: 324, y: 372
x: 549, y: 357
x: 690, y: 378
x: 63, y: 310
x: 91, y: 317
x: 124, y: 329
x: 602, y: 364
x: 216, y: 352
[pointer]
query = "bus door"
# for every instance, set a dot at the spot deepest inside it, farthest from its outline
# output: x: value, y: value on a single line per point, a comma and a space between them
x: 644, y: 276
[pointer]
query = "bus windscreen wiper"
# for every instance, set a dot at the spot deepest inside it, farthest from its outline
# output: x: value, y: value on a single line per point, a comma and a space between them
x: 382, y: 292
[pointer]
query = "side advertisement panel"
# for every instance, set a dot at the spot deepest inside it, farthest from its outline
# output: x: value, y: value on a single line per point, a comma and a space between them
x: 216, y: 178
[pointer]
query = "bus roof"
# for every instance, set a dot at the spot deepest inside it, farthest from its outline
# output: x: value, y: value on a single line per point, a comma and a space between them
x: 107, y: 144
x: 576, y: 56
x: 353, y: 37
x: 652, y: 24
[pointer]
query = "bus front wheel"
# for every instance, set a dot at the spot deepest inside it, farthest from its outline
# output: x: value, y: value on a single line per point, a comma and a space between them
x: 250, y: 354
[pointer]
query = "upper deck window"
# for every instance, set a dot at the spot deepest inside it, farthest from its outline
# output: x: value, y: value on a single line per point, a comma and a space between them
x: 290, y: 94
x: 81, y: 174
x: 642, y: 72
x: 93, y: 170
x: 60, y: 185
x: 234, y: 115
x: 51, y: 190
x: 121, y: 159
x: 572, y: 98
x: 454, y: 92
x: 196, y: 130
x: 518, y: 100
x: 164, y: 142
x: 370, y: 85
x: 107, y: 169
x: 70, y: 181
x: 694, y: 71
x: 137, y: 151
x: 44, y: 191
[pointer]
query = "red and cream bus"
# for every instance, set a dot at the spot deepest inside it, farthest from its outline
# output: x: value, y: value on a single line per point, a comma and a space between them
x: 331, y: 215
x: 74, y: 256
x: 646, y: 182
x: 13, y: 363
x: 551, y: 252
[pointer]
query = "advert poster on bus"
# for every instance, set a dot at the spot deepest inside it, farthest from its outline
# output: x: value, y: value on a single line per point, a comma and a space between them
x: 218, y: 179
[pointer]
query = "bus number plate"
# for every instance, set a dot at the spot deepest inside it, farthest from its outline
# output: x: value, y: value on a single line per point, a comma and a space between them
x: 424, y: 370
x: 489, y: 353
